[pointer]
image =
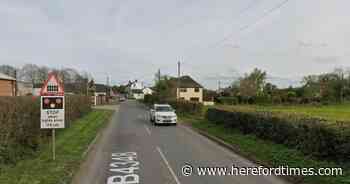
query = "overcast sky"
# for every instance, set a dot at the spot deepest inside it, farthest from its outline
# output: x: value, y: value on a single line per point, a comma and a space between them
x: 214, y: 40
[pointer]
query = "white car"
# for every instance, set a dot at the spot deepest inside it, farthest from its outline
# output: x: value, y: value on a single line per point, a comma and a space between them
x: 163, y: 114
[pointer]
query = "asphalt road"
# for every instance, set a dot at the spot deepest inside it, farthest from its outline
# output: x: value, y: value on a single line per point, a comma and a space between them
x: 131, y: 150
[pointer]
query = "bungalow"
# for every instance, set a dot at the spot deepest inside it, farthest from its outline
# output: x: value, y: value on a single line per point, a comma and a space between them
x: 7, y: 85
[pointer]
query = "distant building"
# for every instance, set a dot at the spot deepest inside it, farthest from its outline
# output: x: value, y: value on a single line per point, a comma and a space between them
x: 101, y: 94
x: 135, y: 90
x: 188, y: 89
x: 138, y: 94
x: 36, y: 89
x: 208, y: 97
x: 147, y: 91
x: 24, y: 88
x: 7, y: 85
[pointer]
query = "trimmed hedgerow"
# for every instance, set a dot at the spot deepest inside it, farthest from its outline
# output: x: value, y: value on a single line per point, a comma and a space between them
x: 187, y: 107
x: 312, y: 136
x: 20, y: 133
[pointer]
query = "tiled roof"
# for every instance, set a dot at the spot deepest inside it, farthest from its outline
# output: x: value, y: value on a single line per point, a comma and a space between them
x: 186, y: 82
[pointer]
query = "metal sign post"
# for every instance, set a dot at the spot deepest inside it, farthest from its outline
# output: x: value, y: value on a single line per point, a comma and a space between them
x: 52, y: 108
x: 53, y: 144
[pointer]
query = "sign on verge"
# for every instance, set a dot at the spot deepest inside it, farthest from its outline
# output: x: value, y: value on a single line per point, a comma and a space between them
x: 52, y: 112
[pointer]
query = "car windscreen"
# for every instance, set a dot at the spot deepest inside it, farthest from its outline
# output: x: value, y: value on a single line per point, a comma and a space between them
x: 164, y: 109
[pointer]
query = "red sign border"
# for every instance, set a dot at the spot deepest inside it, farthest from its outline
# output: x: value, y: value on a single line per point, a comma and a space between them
x: 60, y: 85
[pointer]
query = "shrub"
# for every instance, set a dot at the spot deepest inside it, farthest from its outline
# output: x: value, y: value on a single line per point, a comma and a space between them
x: 150, y: 99
x: 310, y: 135
x: 186, y: 107
x: 20, y: 131
x: 228, y: 100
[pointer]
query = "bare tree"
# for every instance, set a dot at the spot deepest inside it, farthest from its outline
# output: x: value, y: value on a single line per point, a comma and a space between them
x: 8, y: 70
x: 29, y: 73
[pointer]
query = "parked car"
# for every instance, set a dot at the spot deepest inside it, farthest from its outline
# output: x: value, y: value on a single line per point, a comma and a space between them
x: 122, y: 99
x: 163, y: 114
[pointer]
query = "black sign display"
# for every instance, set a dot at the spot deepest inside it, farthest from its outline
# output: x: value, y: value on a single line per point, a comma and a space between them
x: 52, y: 103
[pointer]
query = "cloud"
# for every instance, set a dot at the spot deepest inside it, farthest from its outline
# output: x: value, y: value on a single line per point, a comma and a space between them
x: 326, y: 59
x: 132, y: 39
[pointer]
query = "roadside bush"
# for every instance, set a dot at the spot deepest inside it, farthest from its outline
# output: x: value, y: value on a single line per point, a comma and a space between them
x: 310, y: 135
x: 228, y: 100
x: 186, y: 107
x: 150, y: 99
x: 20, y: 133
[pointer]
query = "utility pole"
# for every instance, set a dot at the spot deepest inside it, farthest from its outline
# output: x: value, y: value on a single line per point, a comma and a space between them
x: 178, y: 79
x: 16, y: 83
x: 107, y: 89
x: 159, y: 75
x: 219, y: 85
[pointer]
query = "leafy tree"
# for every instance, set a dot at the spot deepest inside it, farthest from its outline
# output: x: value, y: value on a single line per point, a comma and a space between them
x: 251, y: 85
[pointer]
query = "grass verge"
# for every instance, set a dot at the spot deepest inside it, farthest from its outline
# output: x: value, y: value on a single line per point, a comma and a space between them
x: 70, y: 145
x: 269, y: 153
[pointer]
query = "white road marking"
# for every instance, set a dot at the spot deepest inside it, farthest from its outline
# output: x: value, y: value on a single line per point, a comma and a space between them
x: 168, y: 165
x: 148, y: 130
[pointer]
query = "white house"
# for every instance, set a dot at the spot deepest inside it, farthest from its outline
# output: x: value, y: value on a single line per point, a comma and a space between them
x: 135, y: 90
x: 147, y: 91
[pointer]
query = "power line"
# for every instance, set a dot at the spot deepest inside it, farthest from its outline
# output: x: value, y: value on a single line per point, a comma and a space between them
x: 242, y: 11
x: 243, y: 28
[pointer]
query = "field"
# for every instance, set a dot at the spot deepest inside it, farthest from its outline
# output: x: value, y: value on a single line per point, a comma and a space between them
x: 340, y: 112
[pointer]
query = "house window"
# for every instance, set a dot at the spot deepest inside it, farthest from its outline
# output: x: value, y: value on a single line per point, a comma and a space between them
x: 196, y: 90
x: 183, y: 90
x: 194, y: 99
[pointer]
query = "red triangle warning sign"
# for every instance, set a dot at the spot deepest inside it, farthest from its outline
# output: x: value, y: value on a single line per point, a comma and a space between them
x: 52, y: 86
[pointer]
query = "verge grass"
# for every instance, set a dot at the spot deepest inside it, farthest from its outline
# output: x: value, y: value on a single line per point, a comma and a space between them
x: 70, y: 145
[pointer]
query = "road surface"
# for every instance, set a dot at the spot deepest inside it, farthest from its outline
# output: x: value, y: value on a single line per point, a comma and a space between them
x: 131, y: 150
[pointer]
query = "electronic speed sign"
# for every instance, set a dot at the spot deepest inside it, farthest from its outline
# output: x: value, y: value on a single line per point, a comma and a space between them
x: 52, y: 112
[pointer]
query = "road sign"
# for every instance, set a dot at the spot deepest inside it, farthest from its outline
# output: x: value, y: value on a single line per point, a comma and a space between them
x: 52, y: 107
x: 52, y: 112
x: 52, y: 87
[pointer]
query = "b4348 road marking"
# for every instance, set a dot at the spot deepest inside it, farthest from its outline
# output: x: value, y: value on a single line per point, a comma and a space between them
x: 125, y: 167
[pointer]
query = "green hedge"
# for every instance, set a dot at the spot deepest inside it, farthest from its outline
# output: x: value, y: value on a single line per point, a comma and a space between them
x: 310, y: 135
x: 181, y: 106
x: 228, y: 100
x: 150, y: 99
x: 20, y: 133
x: 186, y: 107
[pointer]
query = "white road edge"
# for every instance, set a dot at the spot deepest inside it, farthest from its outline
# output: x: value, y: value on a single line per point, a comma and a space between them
x: 168, y: 165
x: 148, y: 130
